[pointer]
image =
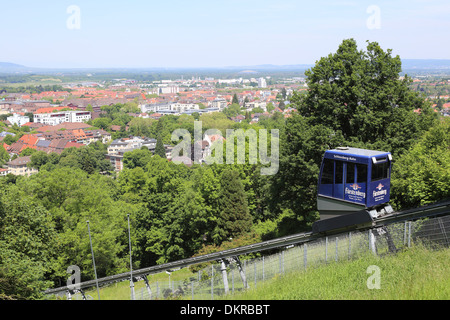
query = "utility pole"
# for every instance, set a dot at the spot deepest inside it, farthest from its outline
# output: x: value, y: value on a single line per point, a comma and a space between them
x: 223, y: 268
x: 131, y: 264
x: 93, y: 260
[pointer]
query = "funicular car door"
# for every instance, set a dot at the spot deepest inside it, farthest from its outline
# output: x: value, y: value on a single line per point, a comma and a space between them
x: 355, y: 182
x: 379, y: 188
x: 338, y: 186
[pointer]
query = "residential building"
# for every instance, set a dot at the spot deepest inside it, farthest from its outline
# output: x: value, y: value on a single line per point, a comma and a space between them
x: 4, y: 172
x: 262, y: 83
x: 170, y: 107
x: 219, y: 103
x: 146, y: 108
x: 169, y: 89
x: 97, y: 135
x: 55, y: 118
x: 19, y: 167
x: 18, y: 119
x: 116, y: 159
x: 119, y: 147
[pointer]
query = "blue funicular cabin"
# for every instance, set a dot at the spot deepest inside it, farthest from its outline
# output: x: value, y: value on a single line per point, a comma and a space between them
x: 352, y: 180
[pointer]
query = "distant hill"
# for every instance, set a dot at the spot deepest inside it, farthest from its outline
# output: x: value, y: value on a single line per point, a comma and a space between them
x: 425, y: 64
x: 407, y: 64
x: 8, y: 67
x: 270, y: 67
x: 410, y: 65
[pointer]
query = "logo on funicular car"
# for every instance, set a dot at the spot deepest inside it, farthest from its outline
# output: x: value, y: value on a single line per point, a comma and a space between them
x: 380, y: 191
x: 353, y: 192
x: 355, y: 186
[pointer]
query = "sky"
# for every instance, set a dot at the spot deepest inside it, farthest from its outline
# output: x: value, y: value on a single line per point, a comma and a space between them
x: 214, y: 33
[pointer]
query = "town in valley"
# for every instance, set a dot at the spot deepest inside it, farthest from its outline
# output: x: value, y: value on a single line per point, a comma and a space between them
x: 54, y: 117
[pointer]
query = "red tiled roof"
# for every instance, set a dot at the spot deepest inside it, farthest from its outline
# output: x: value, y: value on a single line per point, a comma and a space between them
x: 50, y: 109
x: 73, y: 144
x: 20, y: 161
x: 29, y: 139
x: 65, y: 125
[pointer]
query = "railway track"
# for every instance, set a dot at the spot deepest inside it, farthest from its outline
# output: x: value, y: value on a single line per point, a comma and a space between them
x: 433, y: 210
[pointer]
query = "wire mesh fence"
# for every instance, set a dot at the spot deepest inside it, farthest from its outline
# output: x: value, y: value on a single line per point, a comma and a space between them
x: 234, y: 275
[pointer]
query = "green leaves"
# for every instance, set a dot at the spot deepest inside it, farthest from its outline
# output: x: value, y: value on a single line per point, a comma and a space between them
x: 422, y: 175
x: 234, y: 218
x: 361, y: 94
x: 26, y: 237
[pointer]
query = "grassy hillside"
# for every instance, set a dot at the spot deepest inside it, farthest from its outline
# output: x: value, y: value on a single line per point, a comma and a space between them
x: 416, y: 273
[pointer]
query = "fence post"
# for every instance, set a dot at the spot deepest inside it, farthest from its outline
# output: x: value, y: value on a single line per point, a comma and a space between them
x: 263, y: 276
x: 441, y: 225
x: 349, y: 244
x: 254, y: 270
x: 279, y: 263
x: 404, y: 233
x: 232, y: 280
x: 372, y: 245
x: 409, y: 234
x: 326, y: 249
x: 305, y: 255
x: 212, y: 282
x: 336, y: 257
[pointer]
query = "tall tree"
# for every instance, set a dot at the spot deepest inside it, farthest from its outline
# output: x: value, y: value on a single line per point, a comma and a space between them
x: 234, y: 218
x: 362, y: 94
x: 159, y: 149
x: 294, y: 187
x: 235, y: 99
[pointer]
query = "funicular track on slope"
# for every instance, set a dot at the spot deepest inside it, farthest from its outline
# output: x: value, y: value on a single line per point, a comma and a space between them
x: 433, y: 210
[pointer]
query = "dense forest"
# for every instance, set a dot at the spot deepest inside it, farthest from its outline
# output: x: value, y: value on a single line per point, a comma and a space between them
x: 355, y: 98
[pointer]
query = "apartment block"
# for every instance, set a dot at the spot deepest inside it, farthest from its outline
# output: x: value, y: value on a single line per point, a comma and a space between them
x: 55, y: 118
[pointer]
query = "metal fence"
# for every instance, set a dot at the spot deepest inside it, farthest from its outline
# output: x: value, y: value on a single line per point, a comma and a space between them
x: 219, y: 279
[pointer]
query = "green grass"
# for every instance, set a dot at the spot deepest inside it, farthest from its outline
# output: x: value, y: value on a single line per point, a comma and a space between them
x: 416, y: 273
x: 122, y: 291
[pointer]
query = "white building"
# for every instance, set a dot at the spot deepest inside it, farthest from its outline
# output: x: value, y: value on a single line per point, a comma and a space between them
x: 262, y: 83
x: 171, y: 106
x: 18, y: 119
x: 54, y: 118
x: 169, y: 89
x: 219, y: 103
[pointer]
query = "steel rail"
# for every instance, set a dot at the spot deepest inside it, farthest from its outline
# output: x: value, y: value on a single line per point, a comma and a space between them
x: 431, y: 210
x: 437, y: 209
x: 229, y: 253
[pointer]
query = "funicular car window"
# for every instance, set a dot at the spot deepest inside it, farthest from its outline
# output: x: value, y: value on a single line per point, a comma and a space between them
x: 380, y: 171
x: 327, y: 172
x: 361, y: 172
x: 350, y: 173
x: 339, y: 174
